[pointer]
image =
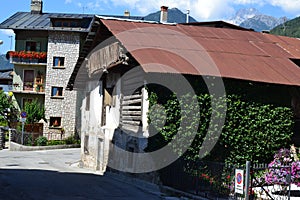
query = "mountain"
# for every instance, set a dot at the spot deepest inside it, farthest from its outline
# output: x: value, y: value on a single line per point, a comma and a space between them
x: 251, y: 18
x: 4, y: 63
x: 290, y: 28
x: 174, y: 16
x: 262, y: 22
x: 242, y: 15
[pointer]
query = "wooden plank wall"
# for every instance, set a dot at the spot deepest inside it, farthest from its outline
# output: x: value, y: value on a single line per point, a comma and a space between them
x: 103, y: 58
x: 131, y: 100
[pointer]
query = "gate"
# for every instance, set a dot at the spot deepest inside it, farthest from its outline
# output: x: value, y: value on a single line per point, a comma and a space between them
x: 272, y: 183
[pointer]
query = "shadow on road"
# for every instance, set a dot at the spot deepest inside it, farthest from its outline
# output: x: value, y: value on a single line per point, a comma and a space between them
x: 42, y: 184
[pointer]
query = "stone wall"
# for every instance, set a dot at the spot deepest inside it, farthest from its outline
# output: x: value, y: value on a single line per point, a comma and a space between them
x: 66, y: 45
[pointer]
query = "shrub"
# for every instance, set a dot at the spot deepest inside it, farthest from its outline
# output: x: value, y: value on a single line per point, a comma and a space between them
x: 56, y: 142
x: 28, y: 141
x: 71, y: 140
x: 35, y: 112
x: 41, y: 141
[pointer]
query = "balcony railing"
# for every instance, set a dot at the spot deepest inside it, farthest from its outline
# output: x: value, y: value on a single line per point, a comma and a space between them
x: 27, y: 57
x: 30, y: 87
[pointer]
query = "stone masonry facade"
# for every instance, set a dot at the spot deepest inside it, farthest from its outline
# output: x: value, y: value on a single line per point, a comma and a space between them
x: 64, y: 45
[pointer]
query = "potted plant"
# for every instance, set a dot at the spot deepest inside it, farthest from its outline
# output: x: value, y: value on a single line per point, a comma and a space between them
x: 28, y: 86
x: 39, y: 87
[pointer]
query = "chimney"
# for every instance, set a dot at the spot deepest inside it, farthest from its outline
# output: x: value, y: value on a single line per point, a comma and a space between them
x: 187, y: 16
x: 127, y: 13
x: 163, y: 14
x: 36, y: 6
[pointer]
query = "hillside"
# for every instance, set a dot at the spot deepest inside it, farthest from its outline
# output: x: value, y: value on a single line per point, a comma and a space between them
x: 4, y: 63
x: 174, y: 16
x: 290, y: 28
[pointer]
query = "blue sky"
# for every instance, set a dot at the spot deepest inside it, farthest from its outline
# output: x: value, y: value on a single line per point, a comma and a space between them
x: 202, y: 10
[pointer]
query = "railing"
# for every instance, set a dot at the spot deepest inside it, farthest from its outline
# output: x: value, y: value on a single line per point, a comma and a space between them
x: 27, y: 57
x: 211, y: 180
x: 22, y: 88
x: 31, y: 132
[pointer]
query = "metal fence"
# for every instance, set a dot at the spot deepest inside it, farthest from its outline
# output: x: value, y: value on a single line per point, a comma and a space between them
x: 211, y: 180
x: 214, y: 180
x: 28, y: 137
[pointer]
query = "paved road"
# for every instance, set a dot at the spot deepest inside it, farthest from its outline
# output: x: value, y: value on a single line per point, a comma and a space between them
x: 53, y: 174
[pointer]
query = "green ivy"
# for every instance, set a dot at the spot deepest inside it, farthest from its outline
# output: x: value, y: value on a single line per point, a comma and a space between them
x: 252, y: 131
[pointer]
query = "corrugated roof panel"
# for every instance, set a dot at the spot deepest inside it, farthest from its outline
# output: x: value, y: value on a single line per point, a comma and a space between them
x: 271, y: 49
x: 286, y: 68
x: 233, y: 53
x: 290, y: 45
x: 230, y: 46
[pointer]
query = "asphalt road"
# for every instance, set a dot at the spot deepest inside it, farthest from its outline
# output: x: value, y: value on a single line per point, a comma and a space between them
x: 54, y: 174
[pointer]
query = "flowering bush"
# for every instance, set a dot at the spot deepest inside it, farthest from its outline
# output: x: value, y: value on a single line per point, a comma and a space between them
x: 281, y: 167
x: 296, y: 173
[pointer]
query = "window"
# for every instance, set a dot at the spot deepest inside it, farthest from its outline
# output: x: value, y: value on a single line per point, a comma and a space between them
x: 58, y: 61
x: 25, y: 101
x: 55, y: 122
x: 56, y: 91
x: 28, y: 80
x: 33, y: 46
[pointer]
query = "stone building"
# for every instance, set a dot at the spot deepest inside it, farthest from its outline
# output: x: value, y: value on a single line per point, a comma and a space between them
x: 47, y: 47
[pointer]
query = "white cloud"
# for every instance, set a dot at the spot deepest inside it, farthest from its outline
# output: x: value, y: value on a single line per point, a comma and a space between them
x: 211, y: 10
x: 200, y: 9
x: 292, y: 6
x: 245, y: 2
x: 8, y: 32
x: 144, y: 7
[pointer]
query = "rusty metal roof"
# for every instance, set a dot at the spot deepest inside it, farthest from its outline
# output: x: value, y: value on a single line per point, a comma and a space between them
x: 198, y: 50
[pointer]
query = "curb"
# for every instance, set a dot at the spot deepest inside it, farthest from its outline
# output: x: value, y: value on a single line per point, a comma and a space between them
x: 18, y: 147
x: 145, y: 186
x: 164, y: 192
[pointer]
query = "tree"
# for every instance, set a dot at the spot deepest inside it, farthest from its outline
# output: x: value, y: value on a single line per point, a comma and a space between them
x: 35, y: 112
x: 8, y: 112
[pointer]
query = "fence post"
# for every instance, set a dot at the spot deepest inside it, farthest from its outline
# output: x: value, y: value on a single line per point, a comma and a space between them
x: 247, y: 180
x: 9, y: 138
x: 2, y: 139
